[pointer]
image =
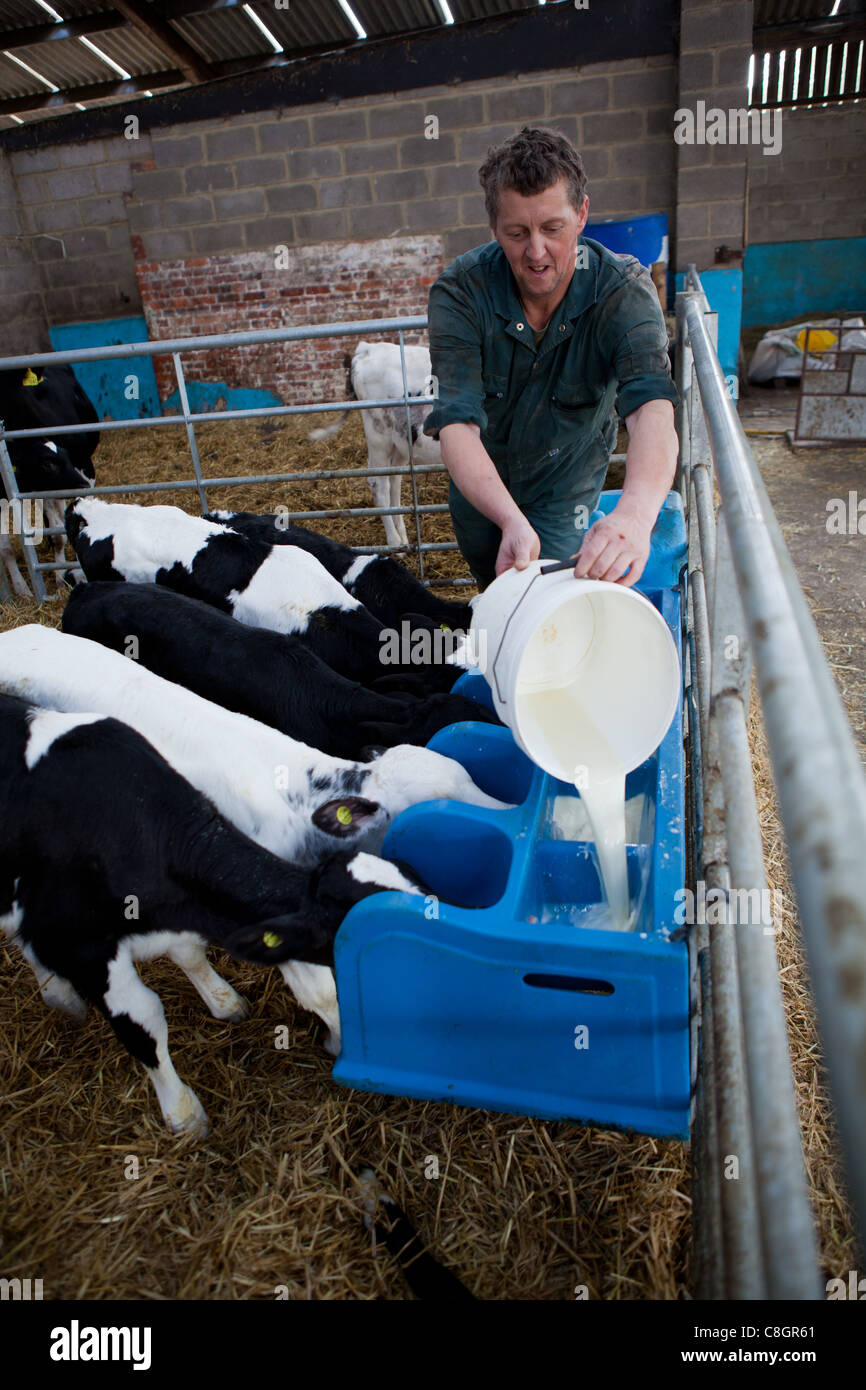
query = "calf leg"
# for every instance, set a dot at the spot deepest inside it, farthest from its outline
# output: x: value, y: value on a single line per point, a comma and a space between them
x: 396, y: 486
x: 381, y: 490
x: 55, y: 517
x: 315, y: 989
x: 223, y: 1001
x: 7, y: 555
x: 56, y: 992
x: 136, y: 1015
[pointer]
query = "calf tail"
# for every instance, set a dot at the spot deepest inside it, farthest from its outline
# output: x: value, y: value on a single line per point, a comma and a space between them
x: 330, y: 430
x: 426, y: 1277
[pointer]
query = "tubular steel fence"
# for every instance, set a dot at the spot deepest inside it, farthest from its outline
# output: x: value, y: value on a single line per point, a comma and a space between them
x: 753, y: 1228
x: 189, y: 419
x: 753, y: 1232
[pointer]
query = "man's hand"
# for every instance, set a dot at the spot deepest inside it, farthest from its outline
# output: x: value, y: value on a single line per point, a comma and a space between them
x: 617, y: 547
x: 520, y: 544
x: 615, y: 544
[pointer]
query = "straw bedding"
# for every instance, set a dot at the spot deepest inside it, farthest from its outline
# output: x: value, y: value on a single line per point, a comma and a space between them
x: 100, y: 1202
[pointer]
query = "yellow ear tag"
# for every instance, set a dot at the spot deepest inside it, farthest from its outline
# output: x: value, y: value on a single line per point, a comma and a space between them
x: 271, y: 939
x: 344, y: 815
x: 444, y: 627
x: 30, y: 378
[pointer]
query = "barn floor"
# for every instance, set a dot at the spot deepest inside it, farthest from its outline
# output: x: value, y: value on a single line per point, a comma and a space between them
x: 100, y: 1202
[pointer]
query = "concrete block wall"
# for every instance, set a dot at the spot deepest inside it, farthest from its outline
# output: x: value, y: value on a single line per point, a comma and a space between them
x: 715, y: 44
x: 24, y: 327
x: 370, y: 198
x: 72, y: 202
x: 368, y: 168
x: 815, y: 187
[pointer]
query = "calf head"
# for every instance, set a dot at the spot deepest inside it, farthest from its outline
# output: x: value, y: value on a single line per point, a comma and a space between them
x: 333, y: 887
x: 407, y: 774
x: 43, y: 466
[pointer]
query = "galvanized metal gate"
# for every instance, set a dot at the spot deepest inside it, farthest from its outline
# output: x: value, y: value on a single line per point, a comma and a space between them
x: 189, y: 419
x: 753, y: 1229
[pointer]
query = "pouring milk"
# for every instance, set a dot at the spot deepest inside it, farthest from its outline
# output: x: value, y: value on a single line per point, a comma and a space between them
x: 586, y: 675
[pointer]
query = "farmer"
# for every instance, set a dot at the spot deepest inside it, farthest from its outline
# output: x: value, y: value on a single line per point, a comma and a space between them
x: 534, y: 338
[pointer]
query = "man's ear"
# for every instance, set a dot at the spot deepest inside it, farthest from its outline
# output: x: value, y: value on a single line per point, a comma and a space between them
x: 345, y: 816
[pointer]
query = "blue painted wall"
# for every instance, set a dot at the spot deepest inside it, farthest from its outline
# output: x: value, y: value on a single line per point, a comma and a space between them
x: 723, y: 286
x: 106, y: 382
x: 786, y: 279
x: 214, y: 395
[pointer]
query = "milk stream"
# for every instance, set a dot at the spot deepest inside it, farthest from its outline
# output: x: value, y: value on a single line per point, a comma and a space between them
x: 599, y: 777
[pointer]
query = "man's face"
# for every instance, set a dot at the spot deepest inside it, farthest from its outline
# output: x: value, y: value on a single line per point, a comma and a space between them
x: 539, y: 237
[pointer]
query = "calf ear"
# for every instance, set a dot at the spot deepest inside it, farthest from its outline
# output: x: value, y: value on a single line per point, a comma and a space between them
x: 371, y: 751
x: 345, y: 816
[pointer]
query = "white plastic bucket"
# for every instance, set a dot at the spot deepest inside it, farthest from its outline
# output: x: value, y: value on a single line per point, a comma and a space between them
x: 561, y: 654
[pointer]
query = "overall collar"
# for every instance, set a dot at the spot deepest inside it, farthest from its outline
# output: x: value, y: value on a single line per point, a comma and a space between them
x: 581, y: 293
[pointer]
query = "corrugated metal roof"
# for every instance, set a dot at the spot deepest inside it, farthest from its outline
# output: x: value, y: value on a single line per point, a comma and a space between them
x: 228, y: 35
x: 483, y: 9
x: 225, y: 34
x: 381, y: 17
x: 133, y: 50
x: 65, y: 62
x: 795, y: 11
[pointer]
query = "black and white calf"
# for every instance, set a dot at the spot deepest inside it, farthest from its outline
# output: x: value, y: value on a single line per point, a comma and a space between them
x: 280, y: 587
x: 384, y: 586
x: 109, y: 856
x: 376, y: 374
x: 291, y: 799
x: 35, y: 400
x: 267, y: 675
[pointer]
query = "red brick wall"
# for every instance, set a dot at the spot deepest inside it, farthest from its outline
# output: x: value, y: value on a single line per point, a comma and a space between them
x: 241, y: 292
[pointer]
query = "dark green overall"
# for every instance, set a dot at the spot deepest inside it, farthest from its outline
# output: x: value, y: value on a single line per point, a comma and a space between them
x: 546, y: 414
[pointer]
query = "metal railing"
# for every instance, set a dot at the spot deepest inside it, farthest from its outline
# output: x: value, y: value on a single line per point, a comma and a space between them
x: 753, y: 1227
x: 189, y: 419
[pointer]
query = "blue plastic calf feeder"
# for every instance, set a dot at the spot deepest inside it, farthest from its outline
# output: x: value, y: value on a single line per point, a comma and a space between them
x: 508, y: 1002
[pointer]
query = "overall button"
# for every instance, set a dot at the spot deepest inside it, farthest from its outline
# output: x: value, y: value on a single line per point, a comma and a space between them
x: 520, y: 327
x: 562, y: 328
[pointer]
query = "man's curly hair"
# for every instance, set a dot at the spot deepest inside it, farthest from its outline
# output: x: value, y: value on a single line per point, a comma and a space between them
x: 532, y: 160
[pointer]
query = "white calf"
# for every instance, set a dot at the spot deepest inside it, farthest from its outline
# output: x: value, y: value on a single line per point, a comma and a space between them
x: 377, y: 374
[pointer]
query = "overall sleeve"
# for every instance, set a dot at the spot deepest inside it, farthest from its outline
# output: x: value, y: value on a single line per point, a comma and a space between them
x: 634, y: 339
x: 455, y: 353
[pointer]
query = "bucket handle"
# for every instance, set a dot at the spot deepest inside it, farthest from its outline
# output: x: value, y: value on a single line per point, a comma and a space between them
x: 559, y: 565
x: 545, y: 569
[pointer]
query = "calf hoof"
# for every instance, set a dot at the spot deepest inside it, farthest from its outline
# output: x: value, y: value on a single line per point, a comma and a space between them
x: 75, y: 1009
x: 189, y: 1117
x: 229, y: 1006
x: 59, y: 995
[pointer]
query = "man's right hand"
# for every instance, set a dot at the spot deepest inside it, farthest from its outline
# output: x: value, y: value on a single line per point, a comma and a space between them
x: 520, y: 545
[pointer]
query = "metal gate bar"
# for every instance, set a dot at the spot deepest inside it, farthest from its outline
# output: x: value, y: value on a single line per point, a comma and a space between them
x: 188, y: 419
x: 752, y: 1117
